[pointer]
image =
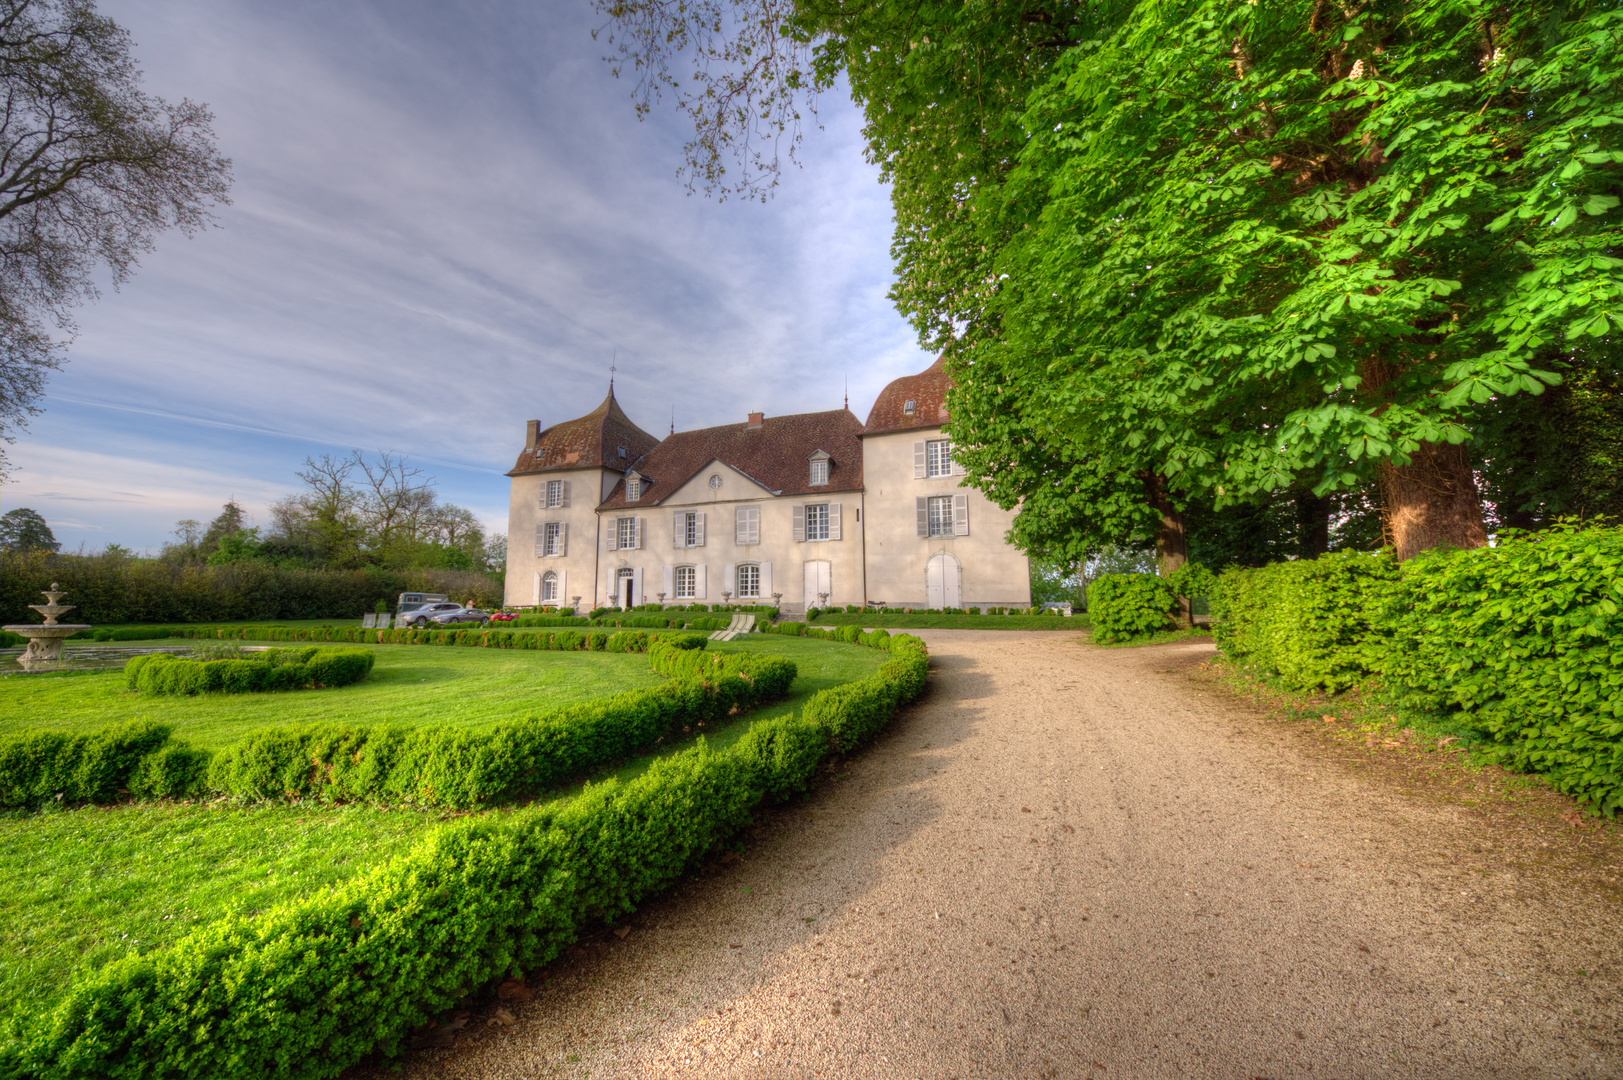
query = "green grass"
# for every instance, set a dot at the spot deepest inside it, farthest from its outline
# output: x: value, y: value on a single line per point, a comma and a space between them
x: 869, y: 620
x: 411, y: 686
x: 81, y: 888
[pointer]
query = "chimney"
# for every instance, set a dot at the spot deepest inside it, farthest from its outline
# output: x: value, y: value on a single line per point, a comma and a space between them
x: 756, y: 419
x: 532, y: 431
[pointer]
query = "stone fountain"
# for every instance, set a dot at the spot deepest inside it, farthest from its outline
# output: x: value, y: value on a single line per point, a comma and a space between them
x: 45, y: 642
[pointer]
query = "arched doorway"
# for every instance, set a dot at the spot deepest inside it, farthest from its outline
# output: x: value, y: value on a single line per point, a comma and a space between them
x: 943, y: 582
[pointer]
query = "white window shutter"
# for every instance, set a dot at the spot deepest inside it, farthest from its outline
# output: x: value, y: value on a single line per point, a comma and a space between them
x: 698, y: 530
x: 923, y: 505
x: 641, y: 523
x: 540, y: 539
x: 614, y: 533
x: 698, y: 582
x: 755, y: 524
x: 766, y: 581
x: 636, y: 585
x: 563, y: 538
x: 741, y: 525
x: 538, y: 588
x: 729, y: 579
x: 541, y: 496
x: 960, y: 515
x: 833, y: 521
x: 566, y: 493
x: 669, y: 578
x: 953, y: 468
x: 798, y: 517
x: 918, y: 461
x: 563, y: 590
x: 679, y: 529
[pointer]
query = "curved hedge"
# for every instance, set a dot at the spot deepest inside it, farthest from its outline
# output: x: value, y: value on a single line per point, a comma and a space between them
x: 273, y: 669
x: 309, y: 988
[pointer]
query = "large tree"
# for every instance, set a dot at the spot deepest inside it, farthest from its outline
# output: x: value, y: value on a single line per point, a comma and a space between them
x: 1198, y: 252
x: 92, y: 168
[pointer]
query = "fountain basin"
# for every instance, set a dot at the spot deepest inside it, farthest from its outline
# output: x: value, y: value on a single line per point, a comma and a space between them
x: 45, y: 642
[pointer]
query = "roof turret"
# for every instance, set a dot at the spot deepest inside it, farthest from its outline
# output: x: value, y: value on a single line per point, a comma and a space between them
x: 604, y: 438
x: 913, y: 401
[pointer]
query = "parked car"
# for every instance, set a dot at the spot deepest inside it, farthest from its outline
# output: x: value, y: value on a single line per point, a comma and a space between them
x: 444, y: 614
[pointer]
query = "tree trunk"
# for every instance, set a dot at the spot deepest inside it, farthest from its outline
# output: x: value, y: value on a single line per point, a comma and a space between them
x: 1171, y: 542
x: 1433, y: 501
x: 1312, y: 524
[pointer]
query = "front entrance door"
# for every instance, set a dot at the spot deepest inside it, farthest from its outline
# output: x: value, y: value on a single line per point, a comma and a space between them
x: 623, y: 592
x: 941, y: 585
x: 817, y: 583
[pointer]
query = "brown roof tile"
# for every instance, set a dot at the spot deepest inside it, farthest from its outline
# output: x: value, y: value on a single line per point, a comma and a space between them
x: 590, y: 442
x: 776, y: 455
x: 928, y: 392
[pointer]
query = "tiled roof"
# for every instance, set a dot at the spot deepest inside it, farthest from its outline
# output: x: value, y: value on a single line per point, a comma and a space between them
x: 777, y: 455
x: 928, y: 392
x: 590, y: 442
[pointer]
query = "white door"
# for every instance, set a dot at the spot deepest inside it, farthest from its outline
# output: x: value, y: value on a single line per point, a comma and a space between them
x: 941, y: 582
x: 817, y: 582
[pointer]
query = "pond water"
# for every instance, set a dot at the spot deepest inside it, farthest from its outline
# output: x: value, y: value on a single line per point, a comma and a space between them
x: 82, y: 658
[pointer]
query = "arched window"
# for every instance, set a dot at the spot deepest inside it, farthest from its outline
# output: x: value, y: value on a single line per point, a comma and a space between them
x: 749, y: 581
x: 549, y: 588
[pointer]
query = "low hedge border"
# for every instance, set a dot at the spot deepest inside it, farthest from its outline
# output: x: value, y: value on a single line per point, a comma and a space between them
x: 274, y: 669
x: 923, y: 621
x: 562, y: 640
x: 307, y: 989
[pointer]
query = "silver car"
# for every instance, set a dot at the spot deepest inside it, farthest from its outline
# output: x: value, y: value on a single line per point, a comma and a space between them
x: 444, y: 614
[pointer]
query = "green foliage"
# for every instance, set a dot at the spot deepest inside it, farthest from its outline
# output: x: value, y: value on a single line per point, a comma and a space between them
x: 551, y: 620
x: 1127, y: 606
x: 54, y: 767
x: 23, y: 530
x: 1004, y: 619
x: 1311, y: 622
x: 273, y: 669
x: 473, y: 901
x: 1192, y: 580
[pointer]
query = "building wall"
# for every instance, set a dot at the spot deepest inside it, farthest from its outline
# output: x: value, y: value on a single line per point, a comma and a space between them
x: 778, y: 552
x: 579, y: 564
x: 994, y: 574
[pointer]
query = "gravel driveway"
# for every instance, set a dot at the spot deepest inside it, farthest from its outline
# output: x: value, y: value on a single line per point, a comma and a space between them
x: 1077, y: 862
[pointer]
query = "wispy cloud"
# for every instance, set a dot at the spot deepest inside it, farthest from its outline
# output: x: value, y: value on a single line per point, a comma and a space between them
x: 446, y: 221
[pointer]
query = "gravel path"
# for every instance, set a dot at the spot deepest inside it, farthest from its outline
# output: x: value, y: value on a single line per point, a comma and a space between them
x: 1076, y: 862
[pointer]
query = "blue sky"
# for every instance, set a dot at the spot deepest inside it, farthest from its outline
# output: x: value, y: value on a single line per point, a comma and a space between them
x: 446, y: 220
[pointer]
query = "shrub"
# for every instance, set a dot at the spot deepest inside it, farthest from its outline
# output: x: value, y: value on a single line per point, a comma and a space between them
x: 273, y: 669
x: 1128, y: 606
x: 851, y: 635
x: 49, y: 766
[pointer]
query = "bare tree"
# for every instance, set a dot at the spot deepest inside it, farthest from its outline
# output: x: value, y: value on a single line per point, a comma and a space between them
x: 91, y: 169
x: 395, y: 495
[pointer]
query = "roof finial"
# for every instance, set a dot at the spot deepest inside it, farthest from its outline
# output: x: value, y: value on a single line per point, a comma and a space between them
x: 611, y: 371
x: 848, y: 391
x: 673, y: 419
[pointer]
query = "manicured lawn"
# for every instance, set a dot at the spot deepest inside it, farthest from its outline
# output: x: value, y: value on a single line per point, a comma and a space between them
x: 81, y: 888
x: 411, y: 686
x: 870, y: 621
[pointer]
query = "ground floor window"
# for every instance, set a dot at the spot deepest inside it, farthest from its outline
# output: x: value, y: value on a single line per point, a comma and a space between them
x: 686, y: 583
x: 749, y: 581
x: 549, y: 588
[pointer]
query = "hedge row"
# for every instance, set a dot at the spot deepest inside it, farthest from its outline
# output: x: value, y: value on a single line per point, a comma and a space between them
x: 454, y: 768
x: 307, y: 989
x: 566, y: 640
x: 52, y: 766
x: 273, y: 669
x: 1520, y: 644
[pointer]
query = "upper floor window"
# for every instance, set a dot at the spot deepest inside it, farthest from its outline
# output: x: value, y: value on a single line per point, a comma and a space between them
x: 909, y: 407
x: 687, y: 529
x: 554, y: 494
x: 940, y: 515
x: 817, y: 521
x: 633, y: 488
x: 819, y: 471
x: 938, y: 457
x: 552, y: 542
x: 626, y: 533
x: 622, y: 453
x: 747, y: 528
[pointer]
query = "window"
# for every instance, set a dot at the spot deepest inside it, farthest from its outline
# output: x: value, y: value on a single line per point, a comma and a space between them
x: 686, y: 582
x: 748, y: 526
x: 943, y: 515
x: 909, y: 407
x: 749, y: 581
x: 549, y: 588
x: 940, y: 515
x: 938, y: 458
x: 690, y: 530
x: 715, y: 481
x: 633, y: 488
x: 817, y: 521
x: 625, y: 533
x: 554, y: 494
x: 687, y: 529
x: 819, y: 471
x: 622, y: 453
x: 553, y: 538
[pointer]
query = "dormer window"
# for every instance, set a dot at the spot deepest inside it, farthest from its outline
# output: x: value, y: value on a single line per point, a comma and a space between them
x: 633, y: 487
x: 622, y: 453
x: 819, y: 468
x: 909, y: 407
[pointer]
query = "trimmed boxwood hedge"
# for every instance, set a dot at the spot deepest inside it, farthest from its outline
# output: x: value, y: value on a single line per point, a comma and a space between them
x: 273, y: 669
x: 1520, y: 644
x: 308, y: 988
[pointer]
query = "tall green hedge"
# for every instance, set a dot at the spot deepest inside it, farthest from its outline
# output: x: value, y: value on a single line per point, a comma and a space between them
x: 1520, y: 644
x: 307, y: 989
x: 1128, y: 606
